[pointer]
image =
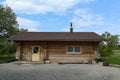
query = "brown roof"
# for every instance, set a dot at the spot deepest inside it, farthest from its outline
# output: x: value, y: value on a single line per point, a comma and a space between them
x: 57, y: 36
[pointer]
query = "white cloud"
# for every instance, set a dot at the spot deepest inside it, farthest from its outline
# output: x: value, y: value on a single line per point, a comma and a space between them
x: 42, y: 6
x: 83, y: 18
x: 28, y: 24
x: 113, y: 28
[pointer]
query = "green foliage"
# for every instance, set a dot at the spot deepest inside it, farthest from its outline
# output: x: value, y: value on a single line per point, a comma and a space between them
x: 7, y: 49
x: 5, y: 58
x: 112, y: 43
x: 8, y: 27
x: 23, y: 30
x: 8, y: 23
x: 113, y: 59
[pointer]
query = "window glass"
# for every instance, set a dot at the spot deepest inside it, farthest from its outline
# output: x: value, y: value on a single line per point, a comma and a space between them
x: 77, y: 49
x: 35, y: 50
x: 70, y: 49
x: 73, y: 49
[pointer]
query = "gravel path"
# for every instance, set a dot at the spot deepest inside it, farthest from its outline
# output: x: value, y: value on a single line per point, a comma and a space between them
x: 13, y: 71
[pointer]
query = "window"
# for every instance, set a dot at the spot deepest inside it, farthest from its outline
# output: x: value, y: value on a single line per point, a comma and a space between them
x: 70, y: 49
x: 73, y: 50
x: 77, y: 49
x: 35, y: 50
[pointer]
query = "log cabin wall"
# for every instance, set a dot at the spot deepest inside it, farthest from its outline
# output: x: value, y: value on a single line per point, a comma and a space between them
x: 26, y: 50
x: 56, y: 51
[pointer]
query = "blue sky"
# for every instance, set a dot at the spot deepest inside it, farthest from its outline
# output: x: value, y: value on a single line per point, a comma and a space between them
x: 55, y: 15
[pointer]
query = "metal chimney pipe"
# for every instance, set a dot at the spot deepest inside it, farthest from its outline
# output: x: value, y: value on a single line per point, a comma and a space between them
x: 71, y: 28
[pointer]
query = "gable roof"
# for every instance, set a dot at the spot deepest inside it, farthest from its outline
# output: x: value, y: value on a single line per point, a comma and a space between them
x: 57, y: 36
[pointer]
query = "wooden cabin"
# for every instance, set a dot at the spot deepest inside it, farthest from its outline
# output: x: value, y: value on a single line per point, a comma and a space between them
x: 57, y: 47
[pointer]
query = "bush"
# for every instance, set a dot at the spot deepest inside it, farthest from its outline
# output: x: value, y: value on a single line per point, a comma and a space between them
x: 113, y: 59
x: 105, y: 53
x: 7, y: 49
x: 6, y: 58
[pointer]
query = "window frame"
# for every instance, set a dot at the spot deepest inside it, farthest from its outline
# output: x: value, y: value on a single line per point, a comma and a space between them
x: 73, y: 50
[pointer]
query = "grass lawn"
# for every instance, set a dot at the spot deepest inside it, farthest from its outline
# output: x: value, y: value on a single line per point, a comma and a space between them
x: 6, y: 58
x: 113, y: 59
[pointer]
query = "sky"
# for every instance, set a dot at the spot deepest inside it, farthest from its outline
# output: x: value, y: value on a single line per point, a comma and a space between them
x: 55, y: 15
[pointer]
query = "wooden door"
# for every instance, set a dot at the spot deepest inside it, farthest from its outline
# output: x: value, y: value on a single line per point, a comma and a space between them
x: 36, y: 53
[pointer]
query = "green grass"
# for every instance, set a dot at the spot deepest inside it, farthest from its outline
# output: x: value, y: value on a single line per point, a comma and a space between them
x: 113, y: 59
x: 5, y: 58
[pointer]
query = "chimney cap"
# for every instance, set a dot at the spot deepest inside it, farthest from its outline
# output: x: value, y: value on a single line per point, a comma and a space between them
x: 71, y: 28
x: 71, y: 24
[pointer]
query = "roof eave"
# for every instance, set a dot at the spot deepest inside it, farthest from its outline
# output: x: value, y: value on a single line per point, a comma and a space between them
x: 59, y: 40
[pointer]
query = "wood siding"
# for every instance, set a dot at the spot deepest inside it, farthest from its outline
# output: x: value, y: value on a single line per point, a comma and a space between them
x: 56, y: 51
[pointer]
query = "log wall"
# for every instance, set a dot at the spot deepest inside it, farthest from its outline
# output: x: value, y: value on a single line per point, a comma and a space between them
x: 56, y: 51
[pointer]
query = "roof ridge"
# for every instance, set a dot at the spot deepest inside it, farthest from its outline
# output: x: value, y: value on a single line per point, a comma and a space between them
x: 57, y: 32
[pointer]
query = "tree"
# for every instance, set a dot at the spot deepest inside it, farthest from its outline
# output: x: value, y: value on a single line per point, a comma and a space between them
x: 23, y: 30
x: 112, y: 43
x: 8, y: 27
x: 8, y: 22
x: 106, y: 35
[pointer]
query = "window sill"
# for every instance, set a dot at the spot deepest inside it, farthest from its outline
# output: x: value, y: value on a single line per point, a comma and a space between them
x: 76, y: 53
